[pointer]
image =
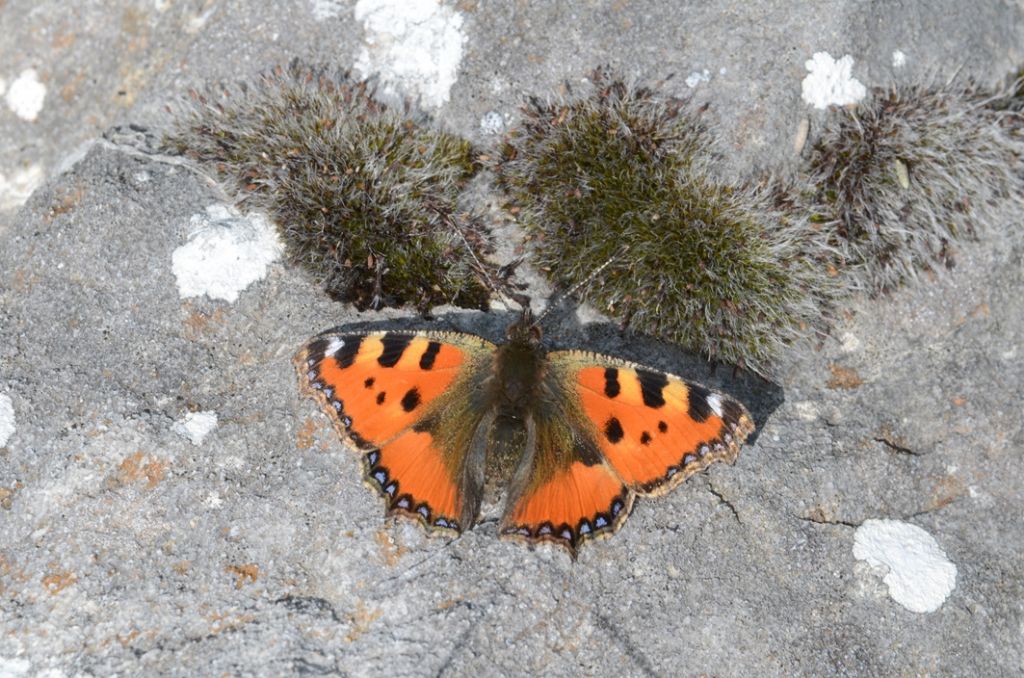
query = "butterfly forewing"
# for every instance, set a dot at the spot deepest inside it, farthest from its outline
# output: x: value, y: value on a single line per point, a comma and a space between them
x: 655, y: 429
x: 401, y: 397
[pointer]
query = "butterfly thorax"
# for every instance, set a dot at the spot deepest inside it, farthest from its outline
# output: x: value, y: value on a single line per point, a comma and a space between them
x: 519, y: 368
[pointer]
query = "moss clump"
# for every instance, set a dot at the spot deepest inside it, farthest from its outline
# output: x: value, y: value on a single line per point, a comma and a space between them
x: 365, y: 196
x: 622, y: 174
x: 908, y: 172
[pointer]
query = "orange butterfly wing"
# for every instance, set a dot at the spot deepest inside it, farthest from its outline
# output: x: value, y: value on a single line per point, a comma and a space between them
x: 618, y: 429
x: 564, y: 492
x: 401, y: 397
x: 654, y: 428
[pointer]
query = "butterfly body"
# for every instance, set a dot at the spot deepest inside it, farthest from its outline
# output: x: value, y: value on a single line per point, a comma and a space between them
x: 573, y: 436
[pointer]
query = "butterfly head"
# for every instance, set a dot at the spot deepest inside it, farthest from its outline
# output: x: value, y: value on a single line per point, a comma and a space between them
x: 526, y: 330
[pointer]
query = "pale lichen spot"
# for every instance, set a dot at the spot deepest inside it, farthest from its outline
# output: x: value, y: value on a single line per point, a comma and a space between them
x: 915, y: 569
x: 26, y: 94
x: 830, y: 82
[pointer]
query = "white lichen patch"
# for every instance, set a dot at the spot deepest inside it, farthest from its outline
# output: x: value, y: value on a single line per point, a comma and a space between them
x: 492, y: 123
x: 806, y: 410
x: 100, y: 458
x: 14, y: 668
x: 16, y: 188
x: 830, y: 82
x: 415, y: 46
x: 849, y: 343
x: 26, y: 94
x: 7, y: 427
x: 196, y: 426
x: 697, y: 77
x: 899, y: 59
x: 225, y: 253
x: 326, y: 9
x: 916, y: 570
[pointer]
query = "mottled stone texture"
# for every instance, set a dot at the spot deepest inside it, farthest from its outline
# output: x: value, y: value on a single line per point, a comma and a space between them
x: 124, y: 548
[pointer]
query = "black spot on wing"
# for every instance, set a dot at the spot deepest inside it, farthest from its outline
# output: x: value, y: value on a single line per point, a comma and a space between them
x: 611, y: 382
x: 369, y: 382
x: 645, y: 438
x: 429, y: 355
x: 651, y: 386
x: 394, y: 347
x: 411, y: 399
x: 613, y: 430
x: 698, y: 398
x: 381, y: 396
x: 662, y: 427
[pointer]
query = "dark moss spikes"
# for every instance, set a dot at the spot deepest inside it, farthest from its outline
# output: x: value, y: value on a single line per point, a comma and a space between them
x: 623, y: 174
x: 365, y: 196
x: 907, y: 173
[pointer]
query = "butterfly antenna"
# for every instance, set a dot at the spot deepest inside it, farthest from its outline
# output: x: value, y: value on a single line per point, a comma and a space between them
x: 480, y: 267
x: 558, y: 297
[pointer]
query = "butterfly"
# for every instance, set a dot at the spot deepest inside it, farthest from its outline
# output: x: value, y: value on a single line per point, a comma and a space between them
x: 574, y: 435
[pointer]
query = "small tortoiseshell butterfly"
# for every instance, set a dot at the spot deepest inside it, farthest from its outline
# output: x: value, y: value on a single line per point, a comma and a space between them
x: 577, y: 435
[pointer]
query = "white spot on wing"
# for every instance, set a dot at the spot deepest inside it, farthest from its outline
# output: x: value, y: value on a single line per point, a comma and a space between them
x: 334, y: 346
x: 919, y: 575
x: 831, y: 82
x: 899, y: 59
x: 715, y: 403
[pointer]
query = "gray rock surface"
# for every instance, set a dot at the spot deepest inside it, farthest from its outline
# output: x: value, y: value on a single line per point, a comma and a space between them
x: 126, y: 548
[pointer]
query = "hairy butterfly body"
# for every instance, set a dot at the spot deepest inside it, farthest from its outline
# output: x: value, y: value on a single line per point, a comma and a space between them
x: 576, y: 434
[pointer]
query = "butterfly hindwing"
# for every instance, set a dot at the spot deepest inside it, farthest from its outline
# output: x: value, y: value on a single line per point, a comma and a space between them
x: 564, y: 492
x: 655, y: 429
x: 402, y: 399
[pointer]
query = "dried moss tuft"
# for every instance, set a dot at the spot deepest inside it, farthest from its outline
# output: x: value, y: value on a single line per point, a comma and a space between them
x: 365, y: 196
x: 907, y: 173
x: 622, y: 173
